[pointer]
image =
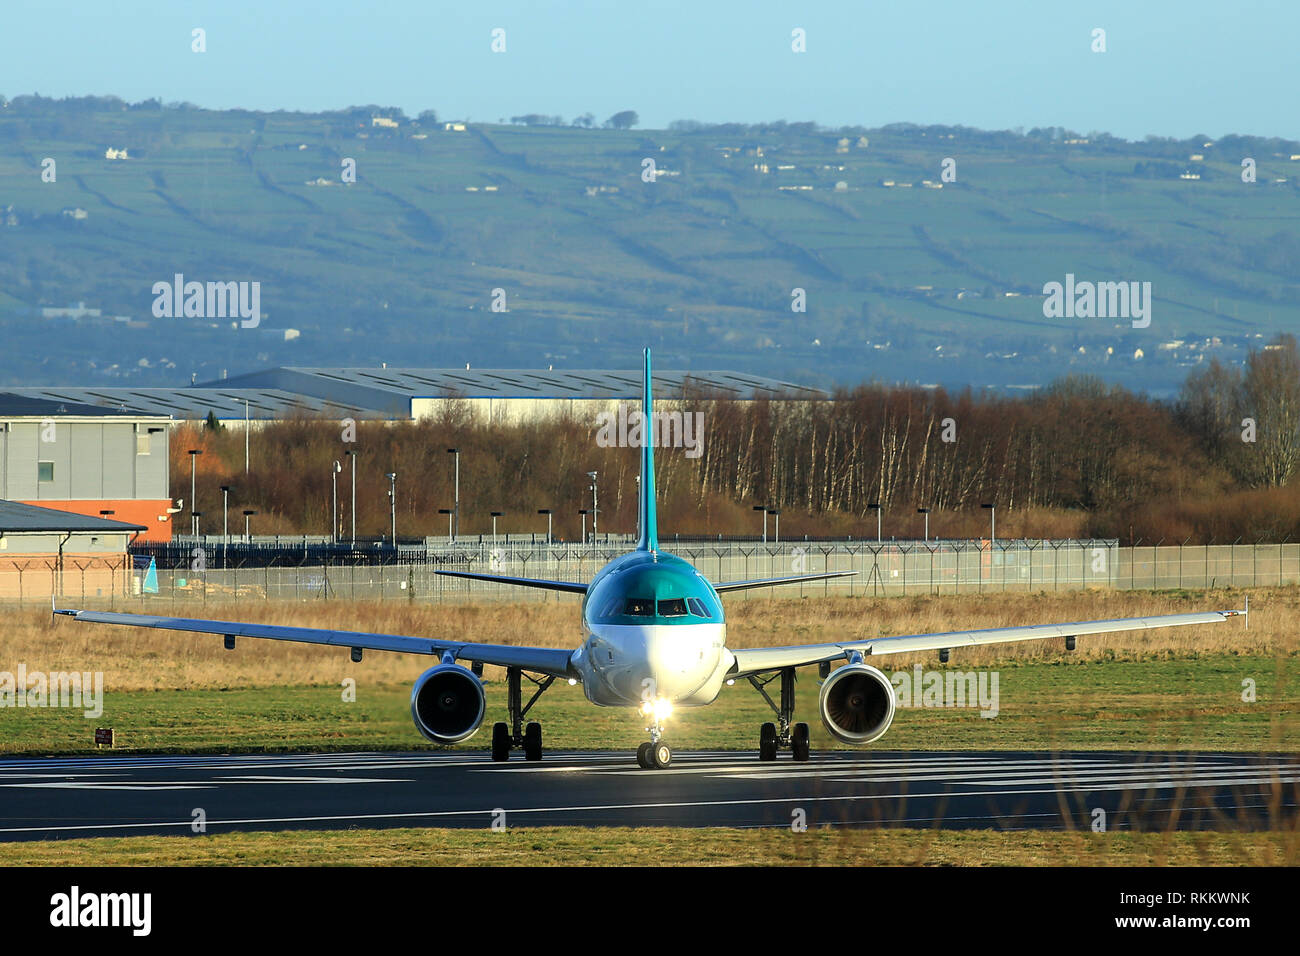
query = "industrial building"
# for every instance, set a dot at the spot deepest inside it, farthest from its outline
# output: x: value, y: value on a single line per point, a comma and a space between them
x: 397, y: 394
x: 103, y: 452
x: 44, y: 551
x: 87, y: 460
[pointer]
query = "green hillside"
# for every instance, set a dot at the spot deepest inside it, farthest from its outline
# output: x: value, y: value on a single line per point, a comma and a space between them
x: 902, y: 282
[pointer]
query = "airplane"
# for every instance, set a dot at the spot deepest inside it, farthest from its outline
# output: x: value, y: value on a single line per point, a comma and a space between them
x: 655, y: 639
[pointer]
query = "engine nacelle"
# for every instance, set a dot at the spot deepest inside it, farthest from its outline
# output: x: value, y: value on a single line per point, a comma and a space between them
x: 447, y: 704
x: 857, y: 704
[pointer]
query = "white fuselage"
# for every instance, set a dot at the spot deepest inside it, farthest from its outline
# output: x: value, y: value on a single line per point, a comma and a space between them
x: 626, y: 664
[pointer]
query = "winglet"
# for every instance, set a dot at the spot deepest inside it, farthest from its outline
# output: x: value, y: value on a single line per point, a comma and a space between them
x: 648, y: 530
x: 1243, y: 613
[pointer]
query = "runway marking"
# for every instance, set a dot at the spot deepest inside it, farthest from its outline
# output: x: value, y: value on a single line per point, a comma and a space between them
x: 209, y: 784
x: 491, y: 813
x: 742, y: 770
x: 1010, y: 775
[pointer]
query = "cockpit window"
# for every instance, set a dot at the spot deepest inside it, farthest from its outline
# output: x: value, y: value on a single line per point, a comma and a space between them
x: 656, y: 604
x: 639, y: 607
x: 672, y: 607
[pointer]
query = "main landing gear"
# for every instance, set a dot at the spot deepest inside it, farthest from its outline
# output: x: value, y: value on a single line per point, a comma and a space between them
x: 506, y: 737
x: 654, y: 754
x: 771, y: 736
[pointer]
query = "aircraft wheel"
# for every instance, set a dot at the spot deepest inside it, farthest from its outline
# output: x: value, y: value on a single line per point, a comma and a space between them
x: 662, y: 756
x: 799, y: 742
x: 500, y: 742
x: 767, y: 742
x: 643, y: 756
x: 533, y: 742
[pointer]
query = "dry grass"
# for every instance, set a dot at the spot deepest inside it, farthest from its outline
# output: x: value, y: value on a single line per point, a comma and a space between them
x: 618, y: 846
x: 135, y: 659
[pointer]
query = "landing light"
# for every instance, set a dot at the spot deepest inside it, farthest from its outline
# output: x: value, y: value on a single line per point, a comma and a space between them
x: 572, y: 681
x: 660, y: 707
x: 731, y: 683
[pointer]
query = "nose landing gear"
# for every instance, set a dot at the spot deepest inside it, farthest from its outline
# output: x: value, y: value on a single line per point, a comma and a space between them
x: 654, y: 754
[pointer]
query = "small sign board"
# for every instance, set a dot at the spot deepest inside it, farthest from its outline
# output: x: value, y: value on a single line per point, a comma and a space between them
x: 103, y: 736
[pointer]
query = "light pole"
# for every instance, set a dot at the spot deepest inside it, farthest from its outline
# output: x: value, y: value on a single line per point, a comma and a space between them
x: 392, y: 504
x: 447, y: 512
x: 194, y: 522
x: 334, y: 520
x: 763, y: 508
x: 495, y: 515
x: 547, y: 512
x: 926, y: 512
x: 353, y: 455
x: 247, y: 514
x: 456, y: 500
x: 225, y: 522
x: 875, y: 506
x: 776, y: 512
x: 584, y: 512
x: 246, y: 424
x: 196, y: 515
x: 595, y: 508
x: 993, y: 524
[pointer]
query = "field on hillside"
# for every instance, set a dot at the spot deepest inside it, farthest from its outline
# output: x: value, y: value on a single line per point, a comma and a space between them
x: 939, y: 284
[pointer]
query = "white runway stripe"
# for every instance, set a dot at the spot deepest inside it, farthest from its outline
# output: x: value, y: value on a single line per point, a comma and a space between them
x: 489, y: 814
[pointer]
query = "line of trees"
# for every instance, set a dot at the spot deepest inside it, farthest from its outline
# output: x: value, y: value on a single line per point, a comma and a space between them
x: 1080, y: 458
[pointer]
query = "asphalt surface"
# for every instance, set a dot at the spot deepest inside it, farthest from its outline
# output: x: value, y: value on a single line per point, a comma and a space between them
x: 109, y: 795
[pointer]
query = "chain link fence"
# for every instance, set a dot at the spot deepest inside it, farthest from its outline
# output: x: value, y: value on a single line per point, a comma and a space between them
x: 884, y: 569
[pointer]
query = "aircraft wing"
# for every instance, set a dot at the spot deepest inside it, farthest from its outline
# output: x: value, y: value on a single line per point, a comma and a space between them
x: 758, y: 659
x: 543, y: 660
x: 769, y: 582
x: 575, y: 587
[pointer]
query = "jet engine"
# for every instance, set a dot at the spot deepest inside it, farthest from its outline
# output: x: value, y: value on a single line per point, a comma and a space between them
x: 857, y: 703
x: 447, y: 704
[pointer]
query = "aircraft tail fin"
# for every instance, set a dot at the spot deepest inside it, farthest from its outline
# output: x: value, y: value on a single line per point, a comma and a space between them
x: 647, y: 523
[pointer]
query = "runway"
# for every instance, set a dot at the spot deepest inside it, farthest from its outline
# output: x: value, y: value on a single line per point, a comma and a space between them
x: 66, y: 797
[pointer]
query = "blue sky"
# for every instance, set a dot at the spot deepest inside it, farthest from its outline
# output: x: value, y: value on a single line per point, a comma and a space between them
x: 1171, y: 68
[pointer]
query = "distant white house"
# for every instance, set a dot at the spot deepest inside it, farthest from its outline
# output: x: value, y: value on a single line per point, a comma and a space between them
x: 78, y: 311
x: 383, y: 121
x: 454, y: 127
x: 112, y: 153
